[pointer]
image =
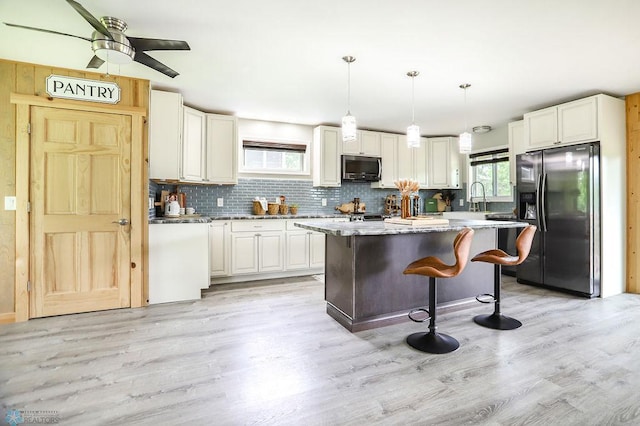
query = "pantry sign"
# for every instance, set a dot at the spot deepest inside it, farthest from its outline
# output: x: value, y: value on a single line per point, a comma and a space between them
x: 80, y: 89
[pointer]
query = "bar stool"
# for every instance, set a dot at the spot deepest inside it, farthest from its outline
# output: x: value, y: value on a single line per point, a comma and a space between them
x: 498, y: 257
x: 432, y: 267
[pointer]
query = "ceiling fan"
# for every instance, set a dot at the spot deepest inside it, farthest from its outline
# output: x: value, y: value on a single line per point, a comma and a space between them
x: 110, y: 44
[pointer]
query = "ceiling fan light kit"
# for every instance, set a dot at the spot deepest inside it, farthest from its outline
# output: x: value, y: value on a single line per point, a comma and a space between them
x: 111, y: 45
x: 117, y: 50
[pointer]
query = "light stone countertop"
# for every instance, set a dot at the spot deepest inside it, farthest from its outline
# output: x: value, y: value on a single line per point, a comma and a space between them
x: 207, y: 219
x: 346, y: 229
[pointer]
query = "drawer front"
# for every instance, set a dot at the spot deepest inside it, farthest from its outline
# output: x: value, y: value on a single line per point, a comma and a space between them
x: 257, y: 225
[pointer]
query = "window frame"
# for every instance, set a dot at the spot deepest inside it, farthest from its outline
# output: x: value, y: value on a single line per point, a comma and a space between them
x: 504, y: 150
x: 281, y: 143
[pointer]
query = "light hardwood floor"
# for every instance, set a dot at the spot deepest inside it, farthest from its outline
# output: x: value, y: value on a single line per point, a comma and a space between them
x: 268, y: 354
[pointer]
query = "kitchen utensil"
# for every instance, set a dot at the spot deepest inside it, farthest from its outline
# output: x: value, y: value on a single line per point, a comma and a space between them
x: 172, y: 208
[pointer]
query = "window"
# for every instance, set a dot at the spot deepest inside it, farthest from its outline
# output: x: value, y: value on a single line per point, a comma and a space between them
x: 492, y: 170
x: 274, y: 157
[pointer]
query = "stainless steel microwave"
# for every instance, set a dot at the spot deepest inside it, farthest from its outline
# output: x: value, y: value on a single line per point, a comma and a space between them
x: 357, y: 168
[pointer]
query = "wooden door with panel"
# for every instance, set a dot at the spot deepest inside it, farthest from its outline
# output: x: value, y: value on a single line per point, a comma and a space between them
x: 81, y: 207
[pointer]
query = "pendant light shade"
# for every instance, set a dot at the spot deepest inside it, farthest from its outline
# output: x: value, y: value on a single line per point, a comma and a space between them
x: 464, y: 141
x: 348, y: 121
x: 413, y: 131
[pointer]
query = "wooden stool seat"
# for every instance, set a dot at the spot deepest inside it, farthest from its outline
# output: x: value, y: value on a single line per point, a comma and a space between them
x: 433, y: 267
x: 498, y: 258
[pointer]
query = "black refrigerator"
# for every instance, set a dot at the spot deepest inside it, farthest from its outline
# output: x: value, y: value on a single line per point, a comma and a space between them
x: 559, y: 192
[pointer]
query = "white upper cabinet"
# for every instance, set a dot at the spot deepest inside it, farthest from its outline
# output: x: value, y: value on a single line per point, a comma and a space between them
x: 165, y: 135
x: 571, y: 122
x: 367, y: 143
x: 413, y: 162
x: 389, y: 156
x: 193, y: 146
x: 541, y: 127
x: 326, y: 156
x: 187, y: 145
x: 578, y: 121
x: 221, y: 149
x: 444, y: 163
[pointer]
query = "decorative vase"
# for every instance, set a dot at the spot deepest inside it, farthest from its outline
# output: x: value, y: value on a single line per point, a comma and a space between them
x: 405, y: 207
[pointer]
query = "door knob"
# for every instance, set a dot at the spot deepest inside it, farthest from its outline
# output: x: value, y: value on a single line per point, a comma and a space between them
x: 121, y: 222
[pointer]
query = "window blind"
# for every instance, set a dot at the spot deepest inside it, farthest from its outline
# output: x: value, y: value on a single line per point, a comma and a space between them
x: 274, y: 146
x: 489, y: 157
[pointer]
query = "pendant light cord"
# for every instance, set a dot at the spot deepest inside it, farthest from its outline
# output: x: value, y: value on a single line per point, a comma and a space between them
x: 413, y: 100
x: 348, y: 88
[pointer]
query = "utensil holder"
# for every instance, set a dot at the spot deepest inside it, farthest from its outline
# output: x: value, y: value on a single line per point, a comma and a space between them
x: 405, y: 207
x: 257, y: 208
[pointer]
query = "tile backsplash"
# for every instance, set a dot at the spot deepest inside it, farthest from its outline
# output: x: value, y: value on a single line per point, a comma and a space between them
x: 237, y: 199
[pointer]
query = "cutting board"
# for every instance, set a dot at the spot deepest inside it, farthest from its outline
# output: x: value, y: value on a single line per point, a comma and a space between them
x: 417, y: 221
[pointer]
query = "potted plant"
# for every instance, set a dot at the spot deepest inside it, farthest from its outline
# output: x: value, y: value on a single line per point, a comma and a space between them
x: 293, y: 208
x: 448, y: 197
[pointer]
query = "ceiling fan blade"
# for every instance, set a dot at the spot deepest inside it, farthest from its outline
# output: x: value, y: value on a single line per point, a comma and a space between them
x: 147, y: 60
x: 95, y: 23
x: 45, y: 31
x: 95, y: 62
x: 144, y: 44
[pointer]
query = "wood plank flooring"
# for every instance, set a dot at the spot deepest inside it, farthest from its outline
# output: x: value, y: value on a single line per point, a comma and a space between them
x: 267, y: 353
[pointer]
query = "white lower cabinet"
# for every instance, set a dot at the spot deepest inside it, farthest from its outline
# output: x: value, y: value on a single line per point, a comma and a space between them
x: 316, y: 250
x: 297, y: 250
x: 219, y: 248
x: 305, y: 249
x: 257, y: 246
x: 246, y: 249
x: 178, y: 261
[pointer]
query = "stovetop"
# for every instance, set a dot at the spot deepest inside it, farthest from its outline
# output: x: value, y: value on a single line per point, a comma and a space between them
x: 361, y: 217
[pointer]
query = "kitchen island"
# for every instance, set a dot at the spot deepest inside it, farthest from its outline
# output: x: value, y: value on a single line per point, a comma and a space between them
x: 364, y: 284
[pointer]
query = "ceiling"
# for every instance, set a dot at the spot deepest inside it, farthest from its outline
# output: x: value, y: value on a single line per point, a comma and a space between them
x: 280, y: 60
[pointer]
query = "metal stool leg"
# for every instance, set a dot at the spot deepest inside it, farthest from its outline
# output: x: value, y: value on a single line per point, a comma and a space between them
x: 432, y: 342
x: 496, y: 320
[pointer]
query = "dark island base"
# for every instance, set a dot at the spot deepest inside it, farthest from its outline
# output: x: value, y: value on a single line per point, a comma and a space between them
x: 365, y: 287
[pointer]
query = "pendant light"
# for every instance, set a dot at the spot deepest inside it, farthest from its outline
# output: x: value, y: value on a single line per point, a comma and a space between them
x: 413, y: 131
x: 464, y: 140
x: 348, y: 121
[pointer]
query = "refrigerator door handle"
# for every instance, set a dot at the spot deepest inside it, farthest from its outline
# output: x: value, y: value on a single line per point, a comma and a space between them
x: 543, y: 202
x: 538, y: 180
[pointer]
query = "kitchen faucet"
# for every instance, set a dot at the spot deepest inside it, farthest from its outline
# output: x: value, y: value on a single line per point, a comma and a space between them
x: 473, y: 206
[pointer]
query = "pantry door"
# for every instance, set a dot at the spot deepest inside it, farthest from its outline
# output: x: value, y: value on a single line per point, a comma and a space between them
x: 80, y: 211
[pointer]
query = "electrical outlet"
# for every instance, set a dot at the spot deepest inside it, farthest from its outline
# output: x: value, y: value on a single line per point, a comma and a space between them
x: 9, y: 203
x: 151, y: 203
x: 324, y: 202
x: 220, y: 202
x: 461, y: 203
